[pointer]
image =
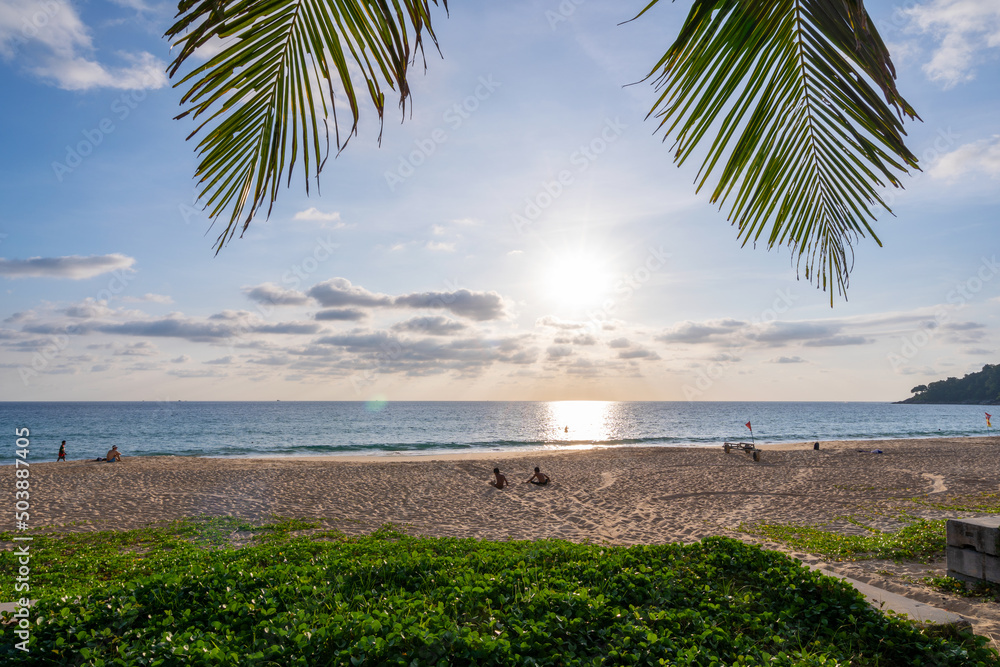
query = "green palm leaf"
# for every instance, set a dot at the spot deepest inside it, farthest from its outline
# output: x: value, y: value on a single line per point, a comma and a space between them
x: 267, y: 96
x: 798, y: 141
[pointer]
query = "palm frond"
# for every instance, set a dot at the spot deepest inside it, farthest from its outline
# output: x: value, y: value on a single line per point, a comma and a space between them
x: 782, y: 95
x: 266, y: 98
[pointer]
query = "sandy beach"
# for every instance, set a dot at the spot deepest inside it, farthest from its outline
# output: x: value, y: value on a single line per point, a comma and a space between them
x: 620, y: 495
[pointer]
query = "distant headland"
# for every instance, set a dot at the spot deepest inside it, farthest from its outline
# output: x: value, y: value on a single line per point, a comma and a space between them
x: 981, y: 388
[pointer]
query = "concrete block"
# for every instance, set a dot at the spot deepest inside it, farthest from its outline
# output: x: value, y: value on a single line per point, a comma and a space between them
x: 980, y: 533
x: 970, y: 565
x: 974, y: 549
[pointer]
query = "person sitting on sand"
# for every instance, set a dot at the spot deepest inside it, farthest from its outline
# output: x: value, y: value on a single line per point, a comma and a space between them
x: 113, y: 455
x: 539, y: 478
x: 501, y: 481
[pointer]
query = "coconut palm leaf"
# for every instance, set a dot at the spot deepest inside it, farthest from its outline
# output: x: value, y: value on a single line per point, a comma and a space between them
x: 786, y: 99
x: 266, y: 97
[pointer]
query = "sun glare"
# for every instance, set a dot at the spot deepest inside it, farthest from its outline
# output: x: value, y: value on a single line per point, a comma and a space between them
x: 577, y: 280
x: 579, y: 421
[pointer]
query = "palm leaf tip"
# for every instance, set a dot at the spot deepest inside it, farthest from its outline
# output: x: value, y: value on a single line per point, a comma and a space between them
x: 258, y: 101
x: 795, y: 106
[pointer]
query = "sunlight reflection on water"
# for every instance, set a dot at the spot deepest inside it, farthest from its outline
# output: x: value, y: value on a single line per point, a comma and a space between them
x: 581, y: 423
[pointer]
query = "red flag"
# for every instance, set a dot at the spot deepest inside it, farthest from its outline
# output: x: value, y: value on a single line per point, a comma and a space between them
x: 988, y: 424
x: 749, y: 426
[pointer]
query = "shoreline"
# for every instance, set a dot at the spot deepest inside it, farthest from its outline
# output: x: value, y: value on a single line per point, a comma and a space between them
x: 501, y: 454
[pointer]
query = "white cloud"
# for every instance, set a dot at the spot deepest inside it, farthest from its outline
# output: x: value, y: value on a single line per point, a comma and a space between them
x: 433, y: 326
x: 137, y: 5
x: 639, y: 353
x: 141, y: 349
x: 788, y: 360
x: 830, y: 332
x: 74, y: 267
x: 145, y: 72
x: 558, y: 323
x: 341, y: 315
x: 148, y: 297
x: 440, y: 247
x: 213, y: 47
x: 89, y: 309
x: 480, y: 306
x: 50, y: 36
x: 702, y: 332
x: 904, y: 52
x: 559, y: 351
x: 273, y: 295
x: 981, y: 156
x: 420, y: 356
x: 21, y: 316
x: 54, y: 24
x: 195, y: 374
x: 339, y: 292
x: 964, y: 28
x: 232, y: 325
x: 313, y: 214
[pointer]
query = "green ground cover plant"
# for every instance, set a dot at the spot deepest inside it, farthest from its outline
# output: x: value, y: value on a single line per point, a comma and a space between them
x: 391, y: 599
x: 73, y: 563
x: 978, y: 589
x: 984, y: 503
x: 920, y: 540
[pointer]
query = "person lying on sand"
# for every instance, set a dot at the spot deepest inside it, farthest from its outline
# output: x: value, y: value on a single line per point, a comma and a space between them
x: 113, y: 455
x: 501, y: 481
x: 539, y: 478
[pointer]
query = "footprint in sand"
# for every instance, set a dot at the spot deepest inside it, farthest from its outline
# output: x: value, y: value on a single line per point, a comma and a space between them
x: 937, y: 482
x: 607, y: 479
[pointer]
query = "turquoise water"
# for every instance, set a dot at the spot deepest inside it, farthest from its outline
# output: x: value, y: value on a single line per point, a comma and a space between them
x: 253, y: 429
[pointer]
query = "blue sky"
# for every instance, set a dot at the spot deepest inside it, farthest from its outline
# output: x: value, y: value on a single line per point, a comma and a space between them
x: 407, y: 277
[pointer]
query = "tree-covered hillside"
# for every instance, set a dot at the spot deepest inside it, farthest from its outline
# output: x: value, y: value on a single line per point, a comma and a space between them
x: 982, y: 388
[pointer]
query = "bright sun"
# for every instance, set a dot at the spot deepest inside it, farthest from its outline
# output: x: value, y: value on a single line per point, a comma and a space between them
x: 576, y: 280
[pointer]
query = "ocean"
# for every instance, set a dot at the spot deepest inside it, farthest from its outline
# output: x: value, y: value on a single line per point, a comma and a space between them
x: 263, y: 429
